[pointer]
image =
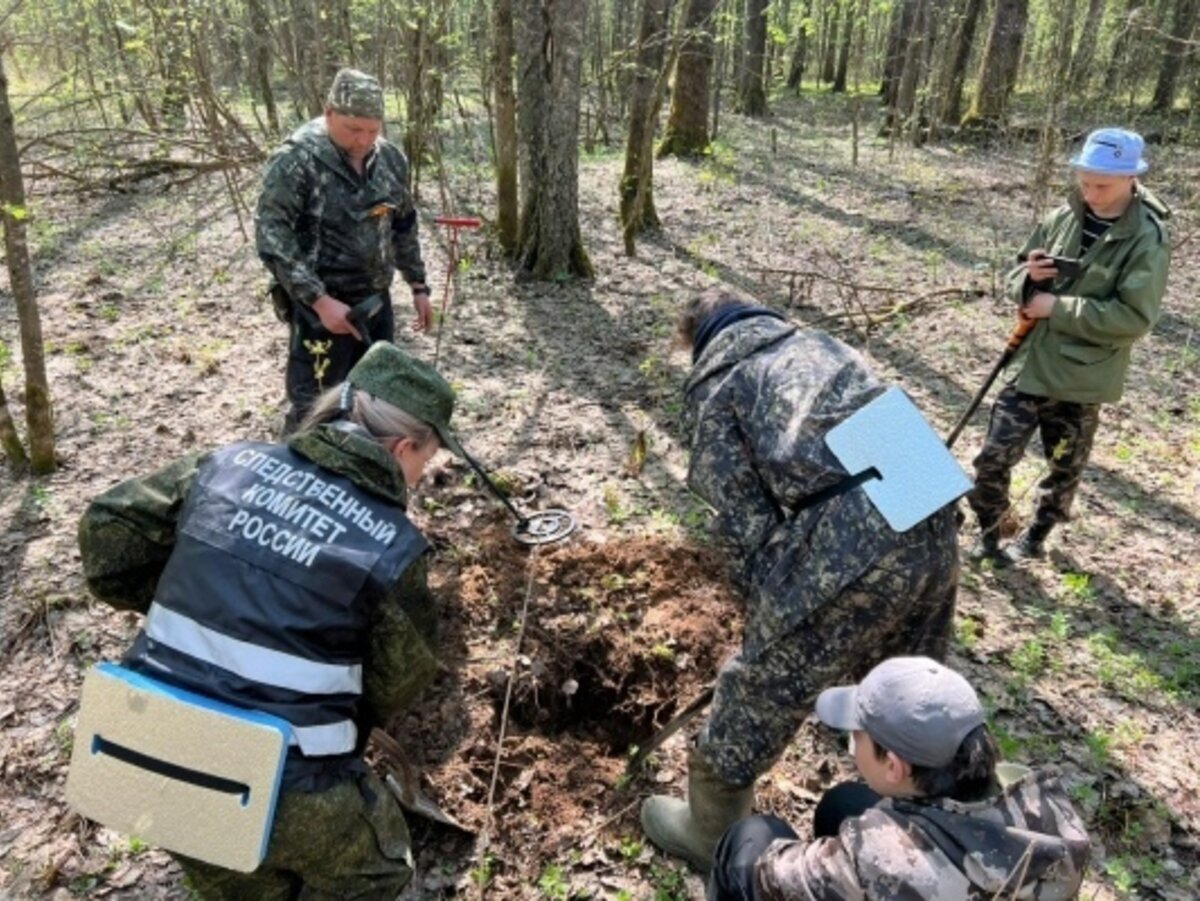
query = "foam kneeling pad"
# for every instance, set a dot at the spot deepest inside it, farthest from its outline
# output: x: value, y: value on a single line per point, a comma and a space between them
x: 176, y: 769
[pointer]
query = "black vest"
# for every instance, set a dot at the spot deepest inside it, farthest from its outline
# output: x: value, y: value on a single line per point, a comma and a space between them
x: 266, y: 598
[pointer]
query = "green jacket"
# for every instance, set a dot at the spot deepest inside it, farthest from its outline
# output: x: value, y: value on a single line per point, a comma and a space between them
x: 1081, y: 352
x: 322, y: 228
x: 127, y: 534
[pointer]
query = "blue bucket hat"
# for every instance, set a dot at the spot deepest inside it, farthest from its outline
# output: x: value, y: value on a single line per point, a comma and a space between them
x: 1112, y: 151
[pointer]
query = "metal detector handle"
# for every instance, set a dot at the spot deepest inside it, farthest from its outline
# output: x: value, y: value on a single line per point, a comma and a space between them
x: 1023, y: 327
x: 459, y: 221
x: 360, y: 316
x: 479, y: 470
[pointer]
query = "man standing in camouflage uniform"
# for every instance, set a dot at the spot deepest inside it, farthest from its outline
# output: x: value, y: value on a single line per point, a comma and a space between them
x: 937, y: 816
x: 335, y: 220
x: 829, y: 587
x: 1077, y: 356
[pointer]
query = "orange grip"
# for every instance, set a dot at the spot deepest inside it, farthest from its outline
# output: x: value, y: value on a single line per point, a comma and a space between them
x: 1023, y: 327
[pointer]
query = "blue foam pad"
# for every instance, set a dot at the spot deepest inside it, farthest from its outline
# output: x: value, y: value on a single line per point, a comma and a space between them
x: 918, y: 474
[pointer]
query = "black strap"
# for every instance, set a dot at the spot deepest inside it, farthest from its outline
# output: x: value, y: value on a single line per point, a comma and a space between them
x: 837, y: 489
x: 170, y: 770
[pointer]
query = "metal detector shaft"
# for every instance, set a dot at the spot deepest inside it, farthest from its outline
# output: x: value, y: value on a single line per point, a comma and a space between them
x: 1024, y: 327
x: 500, y: 495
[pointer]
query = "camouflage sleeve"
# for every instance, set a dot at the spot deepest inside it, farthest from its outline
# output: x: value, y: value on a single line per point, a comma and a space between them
x: 406, y: 248
x: 1134, y: 309
x: 401, y: 643
x: 286, y: 188
x: 127, y: 534
x: 822, y: 871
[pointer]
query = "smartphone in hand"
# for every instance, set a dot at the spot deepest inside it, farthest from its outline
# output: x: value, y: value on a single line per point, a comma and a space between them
x: 1068, y: 267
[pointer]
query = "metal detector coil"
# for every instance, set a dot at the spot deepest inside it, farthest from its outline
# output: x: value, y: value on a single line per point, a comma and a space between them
x: 544, y: 527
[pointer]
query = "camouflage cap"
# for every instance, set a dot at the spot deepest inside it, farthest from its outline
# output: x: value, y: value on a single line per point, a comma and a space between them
x: 415, y: 387
x: 355, y: 93
x: 914, y: 706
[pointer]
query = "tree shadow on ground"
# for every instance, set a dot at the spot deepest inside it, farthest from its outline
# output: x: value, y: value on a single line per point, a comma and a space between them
x: 27, y: 521
x: 1125, y: 493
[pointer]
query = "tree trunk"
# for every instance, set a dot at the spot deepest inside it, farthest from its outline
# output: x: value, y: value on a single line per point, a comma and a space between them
x: 1183, y: 23
x: 893, y: 64
x: 637, y: 182
x: 852, y: 23
x: 260, y: 63
x: 507, y: 212
x: 998, y: 68
x: 829, y: 57
x: 910, y: 75
x: 10, y: 441
x: 1062, y: 13
x: 1120, y: 48
x: 800, y: 51
x: 752, y: 93
x: 549, y: 42
x: 39, y: 418
x: 687, y: 124
x: 1085, y: 51
x: 955, y: 71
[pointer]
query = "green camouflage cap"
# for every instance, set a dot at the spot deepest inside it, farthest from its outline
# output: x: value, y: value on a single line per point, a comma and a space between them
x: 415, y: 387
x: 356, y: 93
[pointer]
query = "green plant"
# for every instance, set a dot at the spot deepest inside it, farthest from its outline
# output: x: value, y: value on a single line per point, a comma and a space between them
x: 630, y: 849
x: 617, y: 512
x: 669, y: 883
x: 1029, y: 660
x: 483, y: 873
x: 1099, y: 746
x: 1059, y: 628
x: 1079, y: 586
x: 968, y: 631
x: 553, y: 883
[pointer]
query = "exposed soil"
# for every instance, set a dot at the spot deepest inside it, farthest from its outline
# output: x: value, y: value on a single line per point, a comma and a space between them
x: 160, y: 345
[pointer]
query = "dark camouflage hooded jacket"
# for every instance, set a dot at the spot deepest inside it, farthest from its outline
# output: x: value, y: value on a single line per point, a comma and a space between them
x: 759, y: 402
x: 322, y: 228
x: 1027, y: 842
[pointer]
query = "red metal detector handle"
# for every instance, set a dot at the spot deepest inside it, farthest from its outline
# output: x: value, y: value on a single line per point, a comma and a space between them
x: 459, y: 221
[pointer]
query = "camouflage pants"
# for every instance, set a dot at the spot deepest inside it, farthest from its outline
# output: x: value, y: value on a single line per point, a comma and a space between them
x: 903, y: 605
x: 349, y: 841
x: 318, y: 360
x: 1067, y: 431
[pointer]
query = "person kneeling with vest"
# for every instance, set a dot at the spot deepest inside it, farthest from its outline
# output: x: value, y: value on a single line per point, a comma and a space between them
x: 284, y: 582
x: 937, y: 817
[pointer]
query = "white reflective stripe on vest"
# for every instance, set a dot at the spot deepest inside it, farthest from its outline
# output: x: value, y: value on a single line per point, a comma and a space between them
x: 262, y: 665
x: 333, y: 738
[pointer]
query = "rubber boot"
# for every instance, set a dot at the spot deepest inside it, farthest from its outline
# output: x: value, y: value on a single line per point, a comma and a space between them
x: 1031, y: 544
x: 988, y: 547
x: 691, y: 829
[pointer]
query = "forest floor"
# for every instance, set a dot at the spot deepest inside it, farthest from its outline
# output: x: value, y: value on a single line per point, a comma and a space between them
x: 160, y: 345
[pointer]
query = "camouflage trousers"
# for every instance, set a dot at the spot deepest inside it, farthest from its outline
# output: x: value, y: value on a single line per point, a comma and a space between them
x: 1067, y: 431
x: 349, y: 841
x: 318, y: 360
x: 904, y: 605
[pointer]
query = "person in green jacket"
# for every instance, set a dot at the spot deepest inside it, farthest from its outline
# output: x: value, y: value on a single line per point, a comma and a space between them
x: 1090, y: 309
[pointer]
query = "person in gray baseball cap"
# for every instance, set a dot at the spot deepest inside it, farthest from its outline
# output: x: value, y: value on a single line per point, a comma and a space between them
x: 937, y: 815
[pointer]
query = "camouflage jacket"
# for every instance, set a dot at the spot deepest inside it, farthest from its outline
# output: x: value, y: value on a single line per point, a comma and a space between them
x: 1027, y: 842
x: 1081, y: 353
x: 321, y: 228
x: 757, y: 406
x: 127, y: 534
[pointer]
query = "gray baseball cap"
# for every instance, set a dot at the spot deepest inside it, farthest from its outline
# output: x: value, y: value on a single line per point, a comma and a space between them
x: 914, y: 706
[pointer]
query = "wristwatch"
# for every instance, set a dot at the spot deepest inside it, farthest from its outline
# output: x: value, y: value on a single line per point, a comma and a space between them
x: 420, y: 288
